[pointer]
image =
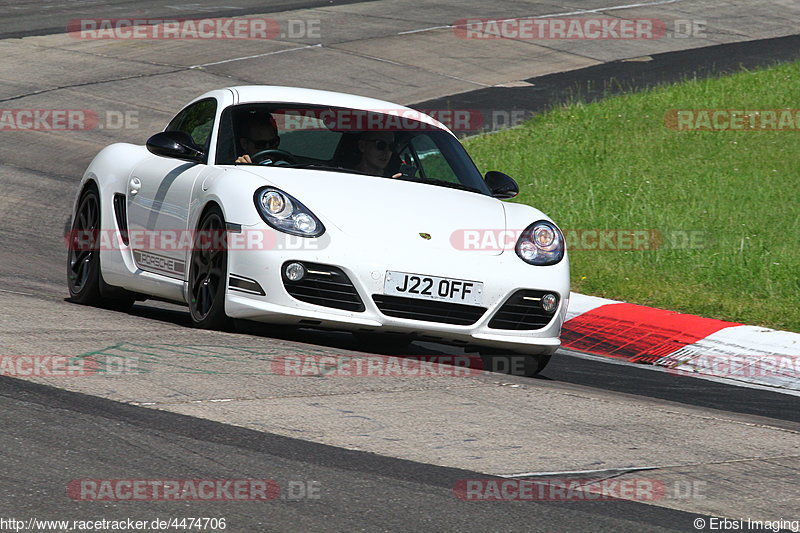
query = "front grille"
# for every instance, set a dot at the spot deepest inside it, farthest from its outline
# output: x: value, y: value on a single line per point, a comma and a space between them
x: 428, y: 310
x: 523, y: 310
x: 323, y: 285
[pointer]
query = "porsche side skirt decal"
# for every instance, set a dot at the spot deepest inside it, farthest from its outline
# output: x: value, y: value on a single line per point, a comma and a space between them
x: 159, y: 264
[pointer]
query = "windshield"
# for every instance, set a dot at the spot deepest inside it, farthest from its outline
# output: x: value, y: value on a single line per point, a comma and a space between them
x: 375, y: 143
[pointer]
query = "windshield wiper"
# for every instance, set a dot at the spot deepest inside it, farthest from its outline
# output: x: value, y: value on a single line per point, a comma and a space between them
x: 442, y: 183
x: 430, y: 181
x: 329, y: 168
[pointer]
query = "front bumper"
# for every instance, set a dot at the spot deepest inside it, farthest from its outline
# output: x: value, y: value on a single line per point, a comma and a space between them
x: 502, y: 275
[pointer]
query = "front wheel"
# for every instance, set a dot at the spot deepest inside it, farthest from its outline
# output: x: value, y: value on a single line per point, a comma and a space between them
x: 208, y: 272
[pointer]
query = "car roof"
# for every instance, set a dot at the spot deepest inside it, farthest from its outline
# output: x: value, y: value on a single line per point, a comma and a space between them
x: 246, y: 94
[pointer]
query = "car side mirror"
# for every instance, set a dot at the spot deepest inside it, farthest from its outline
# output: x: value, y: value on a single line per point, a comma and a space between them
x: 502, y: 185
x: 176, y: 144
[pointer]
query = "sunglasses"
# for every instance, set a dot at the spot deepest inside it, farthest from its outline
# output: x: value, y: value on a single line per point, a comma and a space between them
x: 265, y: 144
x: 382, y: 145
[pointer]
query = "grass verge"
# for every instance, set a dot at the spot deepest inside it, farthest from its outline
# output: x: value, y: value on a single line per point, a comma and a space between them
x: 726, y: 204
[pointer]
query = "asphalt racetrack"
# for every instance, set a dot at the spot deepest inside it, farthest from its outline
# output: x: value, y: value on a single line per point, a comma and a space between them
x: 372, y: 454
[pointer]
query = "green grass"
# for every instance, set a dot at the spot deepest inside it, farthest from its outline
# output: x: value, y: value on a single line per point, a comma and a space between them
x: 614, y: 164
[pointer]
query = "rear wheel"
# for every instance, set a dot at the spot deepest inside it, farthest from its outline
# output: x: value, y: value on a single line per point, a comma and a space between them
x: 208, y: 272
x: 84, y: 279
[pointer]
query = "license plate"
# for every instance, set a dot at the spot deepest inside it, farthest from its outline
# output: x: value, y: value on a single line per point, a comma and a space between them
x: 458, y: 291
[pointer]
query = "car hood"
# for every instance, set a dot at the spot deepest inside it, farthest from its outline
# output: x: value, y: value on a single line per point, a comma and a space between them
x: 397, y: 212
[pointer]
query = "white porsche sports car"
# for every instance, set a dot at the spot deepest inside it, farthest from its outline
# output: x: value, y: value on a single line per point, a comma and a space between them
x: 320, y: 209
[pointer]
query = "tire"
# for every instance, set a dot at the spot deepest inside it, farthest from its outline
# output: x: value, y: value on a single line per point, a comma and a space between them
x: 539, y: 361
x: 84, y: 278
x: 208, y: 273
x: 527, y: 365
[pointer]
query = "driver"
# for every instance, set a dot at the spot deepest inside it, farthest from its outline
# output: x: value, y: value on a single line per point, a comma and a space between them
x: 261, y: 132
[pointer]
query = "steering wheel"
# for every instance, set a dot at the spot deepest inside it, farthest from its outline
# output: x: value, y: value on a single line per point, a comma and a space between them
x: 273, y: 156
x: 407, y: 170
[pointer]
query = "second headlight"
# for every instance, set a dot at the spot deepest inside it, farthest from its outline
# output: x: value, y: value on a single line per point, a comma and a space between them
x: 541, y: 244
x: 285, y: 213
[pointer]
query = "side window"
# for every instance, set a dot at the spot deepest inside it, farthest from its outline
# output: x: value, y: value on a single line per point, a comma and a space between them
x: 197, y: 120
x: 431, y: 160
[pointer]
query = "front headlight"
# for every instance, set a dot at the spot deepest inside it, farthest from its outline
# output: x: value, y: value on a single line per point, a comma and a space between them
x: 284, y: 213
x: 541, y: 244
